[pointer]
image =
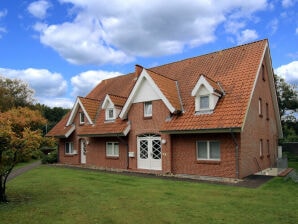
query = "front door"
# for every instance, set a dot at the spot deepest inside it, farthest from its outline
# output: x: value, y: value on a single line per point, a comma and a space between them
x: 83, y: 151
x: 149, y: 152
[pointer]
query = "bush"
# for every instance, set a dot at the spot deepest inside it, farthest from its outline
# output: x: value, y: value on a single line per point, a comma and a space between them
x: 51, y: 157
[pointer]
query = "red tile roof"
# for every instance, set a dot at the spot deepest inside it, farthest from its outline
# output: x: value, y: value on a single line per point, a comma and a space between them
x: 234, y: 68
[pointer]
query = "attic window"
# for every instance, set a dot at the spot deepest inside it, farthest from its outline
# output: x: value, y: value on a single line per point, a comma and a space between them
x: 148, y: 109
x: 110, y: 114
x: 204, y: 102
x: 82, y: 118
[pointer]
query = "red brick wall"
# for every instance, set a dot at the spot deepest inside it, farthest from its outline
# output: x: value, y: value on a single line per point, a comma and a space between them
x: 69, y: 159
x: 259, y: 127
x: 96, y: 153
x: 141, y: 125
x: 184, y: 155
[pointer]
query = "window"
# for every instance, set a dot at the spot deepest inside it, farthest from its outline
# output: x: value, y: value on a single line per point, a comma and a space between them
x: 263, y: 72
x: 204, y: 102
x: 268, y: 147
x: 82, y: 118
x: 260, y: 107
x: 112, y: 149
x: 148, y: 109
x: 69, y: 148
x: 208, y: 150
x: 261, y: 148
x: 110, y: 114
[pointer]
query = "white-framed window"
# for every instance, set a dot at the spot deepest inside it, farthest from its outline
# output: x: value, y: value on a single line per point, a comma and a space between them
x: 208, y: 150
x: 204, y: 102
x: 112, y: 149
x: 82, y: 118
x: 148, y: 109
x: 69, y: 150
x: 261, y: 148
x: 260, y: 107
x: 110, y: 114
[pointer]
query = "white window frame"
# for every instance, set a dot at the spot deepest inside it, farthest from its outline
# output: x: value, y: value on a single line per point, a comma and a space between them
x: 114, y: 151
x: 200, y: 106
x: 82, y: 117
x: 208, y: 150
x: 70, y: 148
x: 146, y: 112
x: 261, y: 148
x: 108, y: 117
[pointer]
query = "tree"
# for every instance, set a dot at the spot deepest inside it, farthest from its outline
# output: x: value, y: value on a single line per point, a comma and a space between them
x: 19, y: 138
x: 14, y: 93
x: 287, y: 96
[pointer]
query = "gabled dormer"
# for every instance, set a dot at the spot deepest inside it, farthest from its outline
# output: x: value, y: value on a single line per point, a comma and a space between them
x: 207, y: 93
x: 112, y: 105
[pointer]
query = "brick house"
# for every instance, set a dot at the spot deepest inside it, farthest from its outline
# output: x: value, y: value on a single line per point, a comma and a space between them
x: 211, y: 115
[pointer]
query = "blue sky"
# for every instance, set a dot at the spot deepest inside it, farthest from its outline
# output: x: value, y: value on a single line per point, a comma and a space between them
x: 63, y: 48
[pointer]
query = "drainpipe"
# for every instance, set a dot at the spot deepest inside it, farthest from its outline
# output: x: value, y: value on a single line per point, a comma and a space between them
x: 236, y: 152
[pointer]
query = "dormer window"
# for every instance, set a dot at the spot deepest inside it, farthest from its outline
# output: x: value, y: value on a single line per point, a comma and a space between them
x: 204, y: 102
x: 110, y: 114
x: 82, y: 118
x: 207, y: 93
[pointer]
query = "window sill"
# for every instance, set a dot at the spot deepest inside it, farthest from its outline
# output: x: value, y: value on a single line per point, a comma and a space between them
x: 213, y: 162
x: 261, y: 157
x: 112, y: 157
x: 147, y: 118
x: 70, y: 155
x: 261, y: 115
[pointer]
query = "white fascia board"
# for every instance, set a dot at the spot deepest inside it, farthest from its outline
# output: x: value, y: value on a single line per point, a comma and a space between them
x: 75, y: 110
x: 70, y: 131
x: 202, y: 81
x: 144, y: 75
x: 106, y: 102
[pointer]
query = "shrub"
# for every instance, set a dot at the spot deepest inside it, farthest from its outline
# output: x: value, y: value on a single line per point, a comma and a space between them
x: 51, y: 157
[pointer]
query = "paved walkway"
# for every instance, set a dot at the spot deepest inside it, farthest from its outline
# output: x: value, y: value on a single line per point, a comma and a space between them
x: 16, y: 172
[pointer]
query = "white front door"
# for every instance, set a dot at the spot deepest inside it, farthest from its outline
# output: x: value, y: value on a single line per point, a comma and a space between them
x: 83, y: 151
x: 149, y: 153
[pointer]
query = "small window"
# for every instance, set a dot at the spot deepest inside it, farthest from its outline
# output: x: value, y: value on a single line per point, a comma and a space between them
x: 261, y: 148
x: 260, y: 107
x: 148, y: 109
x: 69, y: 148
x: 208, y: 150
x: 263, y: 72
x: 204, y: 102
x: 82, y: 118
x: 112, y: 149
x: 268, y: 147
x: 267, y: 111
x: 110, y: 114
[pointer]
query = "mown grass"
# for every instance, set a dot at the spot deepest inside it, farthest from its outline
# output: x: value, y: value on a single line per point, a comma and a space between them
x: 50, y: 194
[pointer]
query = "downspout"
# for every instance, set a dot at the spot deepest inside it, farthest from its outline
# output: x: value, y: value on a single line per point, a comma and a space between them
x: 127, y: 150
x: 236, y: 152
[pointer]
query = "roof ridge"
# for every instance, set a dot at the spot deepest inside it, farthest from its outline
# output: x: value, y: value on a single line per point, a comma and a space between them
x: 116, y: 95
x: 214, y: 52
x: 161, y: 75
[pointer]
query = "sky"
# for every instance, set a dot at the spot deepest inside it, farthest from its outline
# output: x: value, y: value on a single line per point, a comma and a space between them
x: 64, y: 48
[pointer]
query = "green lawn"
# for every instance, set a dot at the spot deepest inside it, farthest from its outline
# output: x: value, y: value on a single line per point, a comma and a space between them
x: 50, y: 194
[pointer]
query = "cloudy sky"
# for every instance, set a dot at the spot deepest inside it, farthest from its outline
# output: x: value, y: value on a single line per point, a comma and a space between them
x: 63, y: 48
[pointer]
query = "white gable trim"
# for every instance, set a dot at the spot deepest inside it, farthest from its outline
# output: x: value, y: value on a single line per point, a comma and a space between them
x: 202, y: 81
x: 106, y: 102
x: 74, y: 111
x: 144, y: 75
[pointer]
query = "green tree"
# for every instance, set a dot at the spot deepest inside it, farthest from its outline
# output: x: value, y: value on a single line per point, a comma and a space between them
x: 287, y: 96
x: 14, y: 93
x: 19, y: 139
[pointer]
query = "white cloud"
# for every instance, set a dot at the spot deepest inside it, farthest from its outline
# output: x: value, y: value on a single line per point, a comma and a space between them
x: 119, y: 31
x: 273, y: 26
x: 86, y: 81
x: 39, y: 8
x: 3, y: 13
x: 288, y: 3
x: 289, y: 72
x: 296, y: 31
x: 247, y: 36
x: 47, y: 85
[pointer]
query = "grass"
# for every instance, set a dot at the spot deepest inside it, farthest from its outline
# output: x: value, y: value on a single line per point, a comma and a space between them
x: 293, y: 161
x: 59, y: 195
